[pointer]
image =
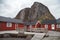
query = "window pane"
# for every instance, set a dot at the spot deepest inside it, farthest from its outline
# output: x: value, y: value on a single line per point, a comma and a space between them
x: 9, y: 24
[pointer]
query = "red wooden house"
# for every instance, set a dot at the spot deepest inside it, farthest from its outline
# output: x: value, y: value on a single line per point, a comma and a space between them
x: 49, y: 24
x: 46, y: 24
x: 13, y: 24
x: 58, y: 24
x: 10, y: 24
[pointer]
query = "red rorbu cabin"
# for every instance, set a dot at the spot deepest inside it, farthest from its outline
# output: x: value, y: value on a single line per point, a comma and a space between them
x: 10, y: 24
x: 58, y: 25
x: 46, y: 24
x: 49, y: 24
x: 13, y: 24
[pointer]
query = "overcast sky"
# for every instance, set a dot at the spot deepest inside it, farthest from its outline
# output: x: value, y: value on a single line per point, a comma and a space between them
x: 10, y: 8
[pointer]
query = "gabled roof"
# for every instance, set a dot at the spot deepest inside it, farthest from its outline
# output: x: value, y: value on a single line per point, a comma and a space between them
x: 5, y: 19
x: 49, y: 22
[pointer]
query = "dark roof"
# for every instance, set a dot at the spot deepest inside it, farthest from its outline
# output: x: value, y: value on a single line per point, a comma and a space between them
x: 5, y: 19
x: 30, y: 23
x: 49, y: 22
x: 58, y: 21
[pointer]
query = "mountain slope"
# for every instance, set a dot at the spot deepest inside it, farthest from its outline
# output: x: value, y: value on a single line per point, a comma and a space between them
x: 38, y: 11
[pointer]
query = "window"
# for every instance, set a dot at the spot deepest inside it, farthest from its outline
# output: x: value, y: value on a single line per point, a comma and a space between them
x: 58, y: 25
x: 9, y: 24
x: 53, y: 26
x: 46, y: 26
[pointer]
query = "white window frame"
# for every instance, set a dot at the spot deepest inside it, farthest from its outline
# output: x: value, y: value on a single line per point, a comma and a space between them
x: 46, y: 26
x: 9, y: 24
x: 53, y: 26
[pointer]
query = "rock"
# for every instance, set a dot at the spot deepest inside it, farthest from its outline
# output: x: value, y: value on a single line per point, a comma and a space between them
x: 23, y: 14
x: 38, y: 11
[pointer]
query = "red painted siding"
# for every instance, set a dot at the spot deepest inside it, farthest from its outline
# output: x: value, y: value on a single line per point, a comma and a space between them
x: 28, y: 27
x: 55, y: 26
x: 4, y: 26
x: 0, y: 26
x: 49, y: 27
x: 33, y: 26
x: 38, y: 25
x: 42, y: 25
x: 21, y: 26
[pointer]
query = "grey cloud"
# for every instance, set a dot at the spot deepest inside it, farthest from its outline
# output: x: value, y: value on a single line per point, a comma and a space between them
x: 1, y: 1
x: 10, y: 8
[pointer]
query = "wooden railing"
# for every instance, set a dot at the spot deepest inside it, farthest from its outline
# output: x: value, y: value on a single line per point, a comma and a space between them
x: 38, y: 30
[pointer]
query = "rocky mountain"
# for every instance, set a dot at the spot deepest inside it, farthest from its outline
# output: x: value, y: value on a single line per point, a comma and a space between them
x: 23, y: 14
x: 38, y: 11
